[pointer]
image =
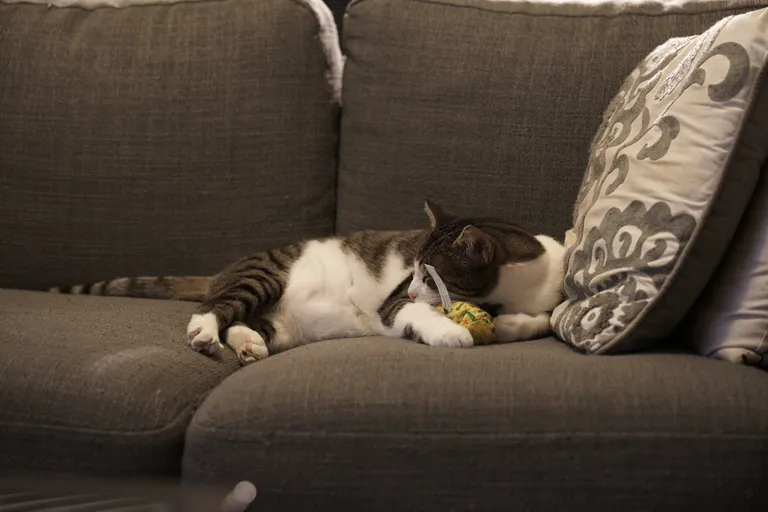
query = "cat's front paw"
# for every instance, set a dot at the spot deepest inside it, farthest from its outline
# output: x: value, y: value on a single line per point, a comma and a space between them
x: 203, y: 333
x: 442, y: 332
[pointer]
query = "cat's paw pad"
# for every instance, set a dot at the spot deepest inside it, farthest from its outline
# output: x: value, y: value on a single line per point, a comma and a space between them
x: 247, y: 344
x: 442, y: 332
x: 203, y: 333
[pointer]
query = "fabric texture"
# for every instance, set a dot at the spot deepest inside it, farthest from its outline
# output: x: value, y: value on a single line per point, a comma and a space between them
x: 327, y: 33
x: 730, y: 319
x: 98, y: 385
x: 35, y: 493
x: 94, y: 4
x: 612, y: 8
x: 671, y: 170
x: 161, y: 139
x: 381, y: 424
x: 487, y: 107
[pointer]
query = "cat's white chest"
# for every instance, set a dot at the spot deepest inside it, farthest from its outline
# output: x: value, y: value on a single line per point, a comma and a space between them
x: 332, y: 294
x: 532, y: 287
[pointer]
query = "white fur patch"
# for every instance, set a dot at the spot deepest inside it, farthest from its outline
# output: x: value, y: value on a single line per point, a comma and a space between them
x: 418, y: 290
x: 331, y: 294
x: 434, y: 329
x: 247, y: 344
x: 126, y: 358
x: 203, y: 333
x: 532, y: 287
x: 519, y: 326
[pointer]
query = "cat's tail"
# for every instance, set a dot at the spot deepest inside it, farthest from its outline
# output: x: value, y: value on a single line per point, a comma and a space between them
x: 189, y: 288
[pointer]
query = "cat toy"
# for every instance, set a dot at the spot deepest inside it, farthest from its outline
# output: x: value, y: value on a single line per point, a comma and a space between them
x: 476, y: 320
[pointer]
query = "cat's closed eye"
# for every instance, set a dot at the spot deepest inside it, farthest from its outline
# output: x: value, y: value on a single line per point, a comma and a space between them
x: 430, y: 282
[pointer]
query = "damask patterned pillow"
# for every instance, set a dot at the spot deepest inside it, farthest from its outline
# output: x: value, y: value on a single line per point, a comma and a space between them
x: 671, y: 170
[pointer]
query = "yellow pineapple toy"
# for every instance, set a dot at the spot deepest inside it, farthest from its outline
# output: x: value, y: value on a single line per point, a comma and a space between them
x: 478, y: 322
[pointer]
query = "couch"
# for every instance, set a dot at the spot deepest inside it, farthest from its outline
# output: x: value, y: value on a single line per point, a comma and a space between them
x: 171, y: 138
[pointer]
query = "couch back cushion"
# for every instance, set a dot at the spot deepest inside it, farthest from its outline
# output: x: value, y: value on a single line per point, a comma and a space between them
x: 162, y: 139
x: 487, y: 106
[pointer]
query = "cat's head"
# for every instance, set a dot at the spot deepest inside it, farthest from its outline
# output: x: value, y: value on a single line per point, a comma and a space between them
x: 467, y: 254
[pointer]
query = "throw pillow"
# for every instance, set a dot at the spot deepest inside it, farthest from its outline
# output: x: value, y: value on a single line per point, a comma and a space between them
x: 671, y: 170
x: 730, y: 319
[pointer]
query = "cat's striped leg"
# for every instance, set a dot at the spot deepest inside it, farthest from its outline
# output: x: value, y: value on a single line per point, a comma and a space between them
x: 420, y: 322
x: 242, y: 292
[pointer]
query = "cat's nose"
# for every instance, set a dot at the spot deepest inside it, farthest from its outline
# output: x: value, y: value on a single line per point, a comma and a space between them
x: 411, y: 295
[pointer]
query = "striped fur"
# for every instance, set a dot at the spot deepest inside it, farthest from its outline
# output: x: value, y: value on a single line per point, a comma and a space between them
x: 366, y: 283
x: 189, y: 288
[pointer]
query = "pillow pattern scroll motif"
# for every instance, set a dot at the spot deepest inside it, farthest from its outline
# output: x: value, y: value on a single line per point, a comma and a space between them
x: 660, y: 166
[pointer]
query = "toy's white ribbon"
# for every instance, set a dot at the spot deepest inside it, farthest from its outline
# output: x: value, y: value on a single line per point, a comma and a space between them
x: 445, y: 297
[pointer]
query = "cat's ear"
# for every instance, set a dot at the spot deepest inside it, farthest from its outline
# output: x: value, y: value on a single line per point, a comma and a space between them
x: 438, y: 215
x: 478, y: 245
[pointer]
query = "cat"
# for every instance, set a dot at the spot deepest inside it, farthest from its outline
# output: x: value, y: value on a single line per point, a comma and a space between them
x: 367, y: 283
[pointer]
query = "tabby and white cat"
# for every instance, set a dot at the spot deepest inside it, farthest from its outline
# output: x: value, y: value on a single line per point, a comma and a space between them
x: 367, y: 283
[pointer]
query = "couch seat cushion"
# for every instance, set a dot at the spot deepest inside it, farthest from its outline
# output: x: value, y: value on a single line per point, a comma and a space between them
x: 381, y: 424
x: 98, y: 385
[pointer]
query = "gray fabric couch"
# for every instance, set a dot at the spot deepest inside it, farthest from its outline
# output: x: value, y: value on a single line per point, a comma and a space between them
x: 170, y: 139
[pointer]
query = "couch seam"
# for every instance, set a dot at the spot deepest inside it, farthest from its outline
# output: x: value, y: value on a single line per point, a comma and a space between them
x: 330, y: 45
x: 464, y: 436
x: 178, y: 420
x: 156, y: 3
x: 711, y: 9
